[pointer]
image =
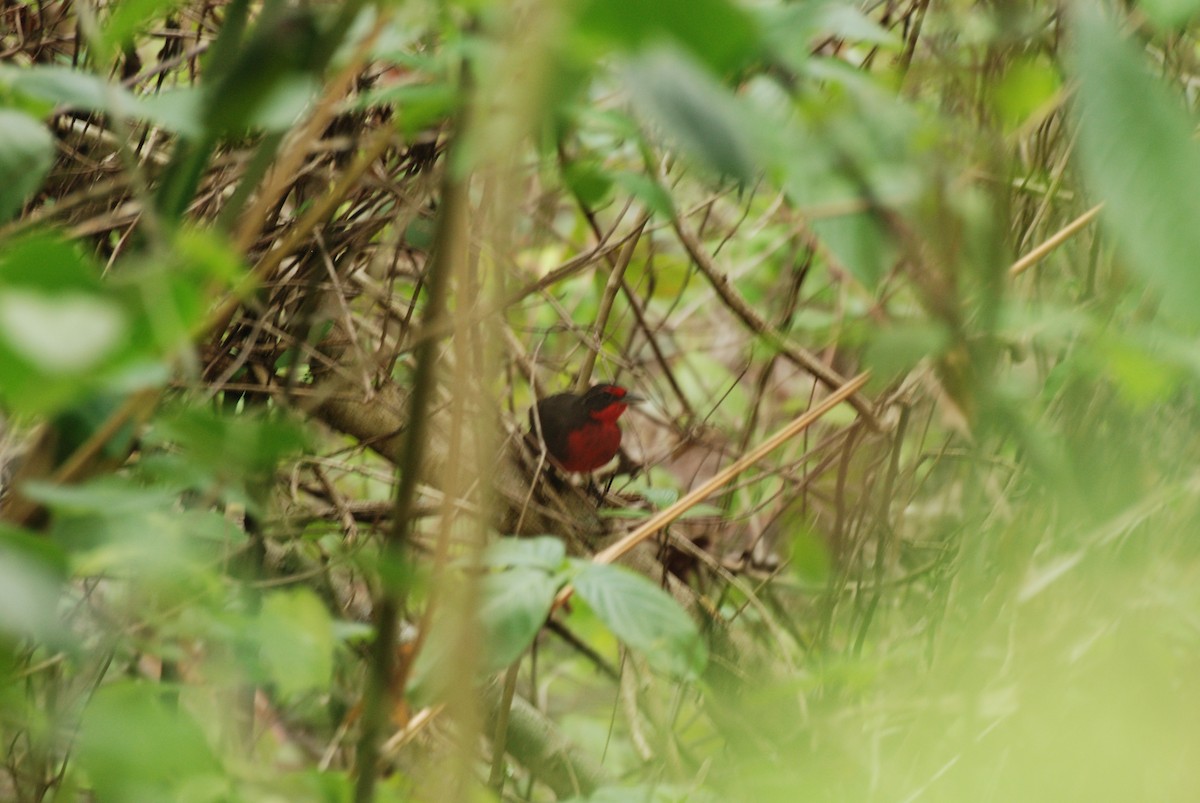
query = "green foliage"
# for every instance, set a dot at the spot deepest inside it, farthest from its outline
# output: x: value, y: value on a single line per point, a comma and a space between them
x: 295, y: 637
x: 691, y: 108
x: 991, y: 595
x: 31, y: 577
x: 26, y: 153
x: 716, y: 31
x: 516, y: 600
x: 63, y: 334
x: 134, y: 746
x: 1139, y: 157
x: 643, y: 616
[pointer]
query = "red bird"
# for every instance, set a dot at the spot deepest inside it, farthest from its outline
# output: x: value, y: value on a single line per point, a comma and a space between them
x: 581, y: 431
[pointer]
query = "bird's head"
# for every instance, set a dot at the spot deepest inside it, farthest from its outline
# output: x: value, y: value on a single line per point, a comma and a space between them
x: 605, y: 402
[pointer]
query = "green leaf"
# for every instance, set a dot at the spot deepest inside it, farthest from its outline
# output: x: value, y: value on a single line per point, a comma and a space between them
x: 703, y: 511
x: 791, y: 28
x: 1170, y: 14
x: 62, y: 334
x: 715, y: 31
x: 111, y: 496
x: 113, y: 526
x: 515, y: 606
x: 539, y: 552
x: 417, y: 106
x: 660, y: 497
x: 810, y: 558
x: 31, y: 574
x: 26, y: 155
x: 898, y: 348
x: 64, y: 86
x: 242, y: 448
x: 589, y: 181
x: 179, y: 110
x: 1028, y: 84
x: 1138, y: 156
x: 693, y: 110
x: 1143, y: 376
x: 130, y: 16
x: 645, y: 617
x: 134, y: 747
x: 649, y: 192
x: 295, y: 636
x: 859, y: 243
x: 284, y: 104
x: 33, y: 324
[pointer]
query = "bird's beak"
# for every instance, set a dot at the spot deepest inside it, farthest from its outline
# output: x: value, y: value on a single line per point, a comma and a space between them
x: 632, y: 398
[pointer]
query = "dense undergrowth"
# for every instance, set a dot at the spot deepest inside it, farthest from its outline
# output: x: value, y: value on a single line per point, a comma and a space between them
x: 279, y: 282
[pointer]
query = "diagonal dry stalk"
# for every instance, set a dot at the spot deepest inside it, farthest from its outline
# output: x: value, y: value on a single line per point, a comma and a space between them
x: 664, y: 517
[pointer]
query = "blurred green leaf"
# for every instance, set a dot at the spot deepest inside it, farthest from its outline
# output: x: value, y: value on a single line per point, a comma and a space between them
x: 649, y: 192
x: 648, y: 793
x: 175, y: 109
x: 589, y: 181
x: 1027, y: 86
x: 693, y: 110
x: 67, y: 87
x: 26, y: 154
x: 513, y: 606
x: 113, y: 526
x: 271, y: 77
x: 1143, y: 377
x: 660, y: 497
x: 31, y: 575
x: 294, y: 633
x: 854, y: 137
x: 135, y: 748
x: 810, y: 558
x: 232, y: 454
x: 206, y: 256
x: 894, y: 350
x: 717, y: 32
x: 284, y: 104
x: 859, y: 243
x: 644, y: 617
x: 63, y: 334
x: 1138, y: 156
x: 111, y: 496
x: 418, y: 106
x: 792, y: 28
x: 33, y: 324
x: 546, y: 552
x: 128, y: 17
x: 1170, y: 14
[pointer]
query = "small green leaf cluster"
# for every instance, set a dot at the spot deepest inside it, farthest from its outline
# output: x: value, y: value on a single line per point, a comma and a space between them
x: 524, y: 576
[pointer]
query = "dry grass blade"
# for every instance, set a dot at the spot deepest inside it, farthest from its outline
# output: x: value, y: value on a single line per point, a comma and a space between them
x: 1061, y: 236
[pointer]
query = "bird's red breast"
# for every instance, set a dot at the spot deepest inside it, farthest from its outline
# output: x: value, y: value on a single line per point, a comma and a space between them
x: 581, y: 430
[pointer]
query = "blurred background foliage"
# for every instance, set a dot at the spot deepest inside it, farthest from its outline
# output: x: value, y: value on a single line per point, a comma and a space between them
x: 279, y: 281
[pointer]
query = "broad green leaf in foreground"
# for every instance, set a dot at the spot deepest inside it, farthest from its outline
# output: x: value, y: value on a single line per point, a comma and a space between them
x: 541, y: 552
x: 136, y: 747
x: 1138, y: 156
x: 694, y: 111
x: 643, y: 616
x: 717, y: 31
x: 295, y: 637
x: 515, y: 606
x: 31, y: 571
x: 26, y: 153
